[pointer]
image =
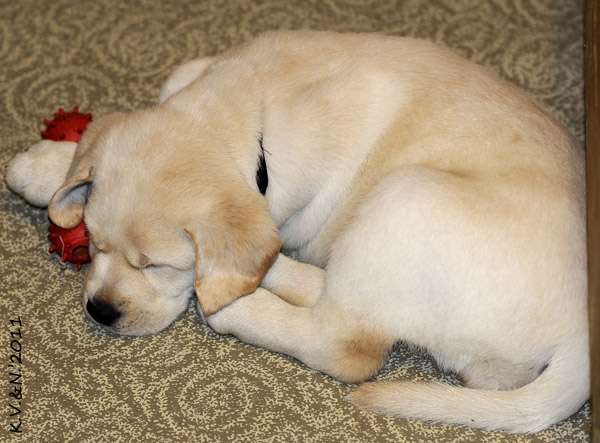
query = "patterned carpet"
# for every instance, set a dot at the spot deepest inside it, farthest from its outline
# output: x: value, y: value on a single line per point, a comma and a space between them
x: 187, y: 383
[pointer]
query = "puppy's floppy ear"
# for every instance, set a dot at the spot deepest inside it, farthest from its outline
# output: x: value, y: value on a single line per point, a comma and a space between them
x: 235, y: 242
x: 66, y: 206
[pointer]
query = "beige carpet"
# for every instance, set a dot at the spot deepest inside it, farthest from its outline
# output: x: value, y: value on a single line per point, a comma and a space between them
x: 188, y: 384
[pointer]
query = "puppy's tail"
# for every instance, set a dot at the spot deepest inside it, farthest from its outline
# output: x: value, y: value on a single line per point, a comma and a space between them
x: 558, y: 392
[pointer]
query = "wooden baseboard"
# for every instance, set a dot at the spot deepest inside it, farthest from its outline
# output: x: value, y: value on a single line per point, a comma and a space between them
x: 592, y: 108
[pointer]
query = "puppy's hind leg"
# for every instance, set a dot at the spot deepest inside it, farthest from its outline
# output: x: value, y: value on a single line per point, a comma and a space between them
x: 321, y: 337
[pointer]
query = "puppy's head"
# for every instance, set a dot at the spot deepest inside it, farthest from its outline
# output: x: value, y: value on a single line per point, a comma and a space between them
x: 169, y: 213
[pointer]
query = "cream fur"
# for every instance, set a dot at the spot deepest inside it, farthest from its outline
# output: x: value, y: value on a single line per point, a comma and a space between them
x: 429, y: 201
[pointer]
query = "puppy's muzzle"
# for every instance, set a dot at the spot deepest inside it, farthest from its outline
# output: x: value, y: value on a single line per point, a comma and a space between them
x: 102, y: 312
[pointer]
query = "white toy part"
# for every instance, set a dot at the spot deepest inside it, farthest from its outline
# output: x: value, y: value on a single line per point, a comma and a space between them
x: 37, y: 173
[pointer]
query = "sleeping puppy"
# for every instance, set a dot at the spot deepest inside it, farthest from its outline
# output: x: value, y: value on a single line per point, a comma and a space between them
x: 415, y: 196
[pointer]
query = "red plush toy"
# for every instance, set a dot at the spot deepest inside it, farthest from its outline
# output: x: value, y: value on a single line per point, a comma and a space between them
x: 71, y: 244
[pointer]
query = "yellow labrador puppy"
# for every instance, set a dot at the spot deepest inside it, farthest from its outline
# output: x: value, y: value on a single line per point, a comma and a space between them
x: 421, y: 198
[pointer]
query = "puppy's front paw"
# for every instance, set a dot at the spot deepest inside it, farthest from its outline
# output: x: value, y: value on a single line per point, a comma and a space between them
x: 37, y: 173
x: 226, y: 320
x: 235, y: 318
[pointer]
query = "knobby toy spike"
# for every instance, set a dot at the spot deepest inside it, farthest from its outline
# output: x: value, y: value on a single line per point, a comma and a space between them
x: 72, y: 245
x: 66, y: 126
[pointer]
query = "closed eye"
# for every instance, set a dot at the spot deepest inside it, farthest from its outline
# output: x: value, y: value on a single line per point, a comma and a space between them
x: 159, y: 262
x: 138, y: 265
x: 145, y: 262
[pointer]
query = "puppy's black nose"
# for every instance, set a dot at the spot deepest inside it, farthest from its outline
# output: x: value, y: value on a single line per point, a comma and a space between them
x: 104, y: 313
